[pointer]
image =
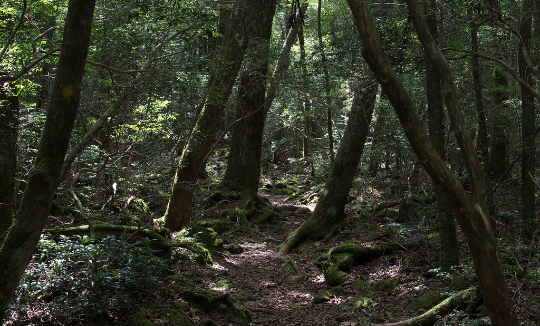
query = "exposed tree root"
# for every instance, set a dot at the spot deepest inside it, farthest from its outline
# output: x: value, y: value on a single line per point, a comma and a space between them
x: 460, y: 300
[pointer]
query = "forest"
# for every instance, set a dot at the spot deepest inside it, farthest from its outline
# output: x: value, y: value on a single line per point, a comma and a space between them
x: 269, y: 162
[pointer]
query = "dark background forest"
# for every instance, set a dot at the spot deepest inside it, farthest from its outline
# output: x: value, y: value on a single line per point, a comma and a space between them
x: 269, y: 162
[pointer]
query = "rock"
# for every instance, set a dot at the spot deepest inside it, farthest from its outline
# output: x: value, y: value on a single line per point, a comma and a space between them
x: 234, y: 249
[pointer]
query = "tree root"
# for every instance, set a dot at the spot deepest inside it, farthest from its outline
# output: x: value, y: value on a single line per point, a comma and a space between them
x: 460, y: 300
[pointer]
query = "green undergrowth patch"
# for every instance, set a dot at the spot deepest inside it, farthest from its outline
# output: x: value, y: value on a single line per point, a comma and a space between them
x: 78, y: 276
x: 166, y: 315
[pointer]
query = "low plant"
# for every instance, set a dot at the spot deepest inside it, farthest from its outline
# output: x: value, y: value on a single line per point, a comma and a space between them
x: 87, y: 277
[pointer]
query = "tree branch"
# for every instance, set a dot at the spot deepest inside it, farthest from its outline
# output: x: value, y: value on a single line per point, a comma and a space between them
x: 12, y: 35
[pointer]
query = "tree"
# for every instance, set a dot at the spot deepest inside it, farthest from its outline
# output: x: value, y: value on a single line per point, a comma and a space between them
x: 330, y: 209
x: 219, y: 87
x: 244, y: 161
x: 528, y: 116
x: 9, y: 110
x: 20, y: 243
x: 472, y: 214
x: 449, y: 247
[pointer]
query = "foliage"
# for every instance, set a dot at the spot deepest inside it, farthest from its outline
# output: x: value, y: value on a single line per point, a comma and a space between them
x: 88, y: 277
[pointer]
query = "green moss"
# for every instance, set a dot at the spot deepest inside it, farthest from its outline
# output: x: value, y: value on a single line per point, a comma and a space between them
x: 321, y: 298
x: 332, y: 276
x: 434, y: 236
x: 426, y: 301
x: 358, y: 284
x: 386, y: 285
x: 224, y: 284
x: 201, y: 255
x: 205, y: 236
x: 344, y: 262
x: 460, y: 283
x: 361, y: 302
x: 219, y: 226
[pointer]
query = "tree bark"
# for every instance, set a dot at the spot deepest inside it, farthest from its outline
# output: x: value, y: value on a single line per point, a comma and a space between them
x: 449, y: 246
x: 528, y: 216
x: 331, y: 205
x: 498, y: 156
x: 471, y: 214
x: 244, y: 161
x: 20, y: 242
x: 178, y: 214
x: 327, y: 100
x: 9, y: 115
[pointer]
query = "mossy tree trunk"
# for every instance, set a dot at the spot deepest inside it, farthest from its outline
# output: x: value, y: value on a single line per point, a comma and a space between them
x: 244, y: 161
x: 472, y: 214
x: 9, y: 112
x: 528, y: 116
x: 331, y: 205
x: 449, y: 247
x: 20, y: 243
x: 219, y: 87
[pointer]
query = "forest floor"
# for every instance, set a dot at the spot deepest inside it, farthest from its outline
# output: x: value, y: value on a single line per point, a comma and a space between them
x: 289, y: 289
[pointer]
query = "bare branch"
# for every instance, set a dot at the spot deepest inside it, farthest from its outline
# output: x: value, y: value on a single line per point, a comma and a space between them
x: 27, y: 67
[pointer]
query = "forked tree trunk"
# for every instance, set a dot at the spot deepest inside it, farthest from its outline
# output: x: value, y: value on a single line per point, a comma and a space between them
x: 471, y: 214
x: 20, y: 242
x: 9, y: 113
x: 244, y: 161
x: 332, y: 199
x: 178, y: 214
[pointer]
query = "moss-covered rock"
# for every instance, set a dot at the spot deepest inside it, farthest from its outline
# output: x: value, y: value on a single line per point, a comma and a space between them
x: 426, y: 301
x: 332, y: 276
x: 217, y: 225
x: 386, y: 285
x: 344, y: 261
x: 361, y: 302
x: 234, y: 249
x: 200, y: 254
x: 358, y: 284
x: 321, y: 298
x: 205, y: 236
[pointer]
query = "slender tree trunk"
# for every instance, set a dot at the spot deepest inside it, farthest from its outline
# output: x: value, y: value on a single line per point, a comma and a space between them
x: 20, y: 243
x: 528, y: 116
x: 471, y: 214
x: 178, y: 214
x: 483, y: 141
x: 327, y: 99
x: 9, y: 119
x: 498, y: 156
x: 331, y: 205
x: 449, y: 246
x: 244, y: 161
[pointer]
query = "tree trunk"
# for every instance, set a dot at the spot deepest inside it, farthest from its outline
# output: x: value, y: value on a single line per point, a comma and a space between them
x: 449, y: 247
x: 498, y: 156
x: 9, y: 113
x: 178, y: 214
x: 244, y: 161
x: 326, y: 85
x: 528, y: 115
x: 331, y: 205
x: 20, y: 242
x: 471, y: 214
